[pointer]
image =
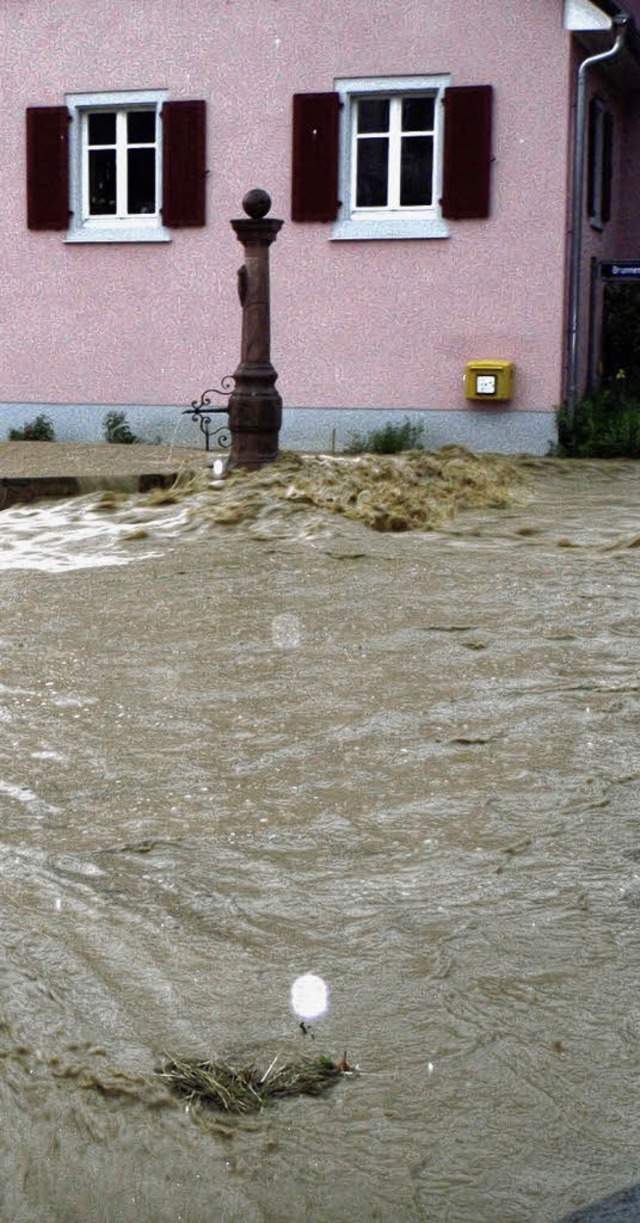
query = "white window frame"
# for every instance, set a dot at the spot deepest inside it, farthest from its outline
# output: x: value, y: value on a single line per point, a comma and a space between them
x: 387, y: 222
x: 84, y: 227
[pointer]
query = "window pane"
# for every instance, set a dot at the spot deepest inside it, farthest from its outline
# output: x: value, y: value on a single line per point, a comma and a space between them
x: 418, y: 114
x: 142, y: 180
x: 372, y: 173
x: 102, y: 127
x: 102, y: 181
x: 373, y: 115
x: 141, y: 127
x: 416, y: 171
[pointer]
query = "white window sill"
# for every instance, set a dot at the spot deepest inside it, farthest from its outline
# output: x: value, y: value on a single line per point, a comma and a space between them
x: 357, y: 228
x: 127, y: 233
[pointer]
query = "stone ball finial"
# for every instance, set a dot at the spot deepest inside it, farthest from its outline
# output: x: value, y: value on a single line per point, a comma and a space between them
x: 256, y: 203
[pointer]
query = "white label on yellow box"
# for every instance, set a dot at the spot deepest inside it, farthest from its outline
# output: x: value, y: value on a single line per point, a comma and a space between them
x: 486, y: 384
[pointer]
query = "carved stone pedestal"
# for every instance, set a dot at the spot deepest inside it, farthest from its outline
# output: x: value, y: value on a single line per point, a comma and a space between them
x: 255, y: 407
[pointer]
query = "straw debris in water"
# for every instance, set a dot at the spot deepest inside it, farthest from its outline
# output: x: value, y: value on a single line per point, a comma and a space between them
x: 246, y: 1089
x: 415, y: 490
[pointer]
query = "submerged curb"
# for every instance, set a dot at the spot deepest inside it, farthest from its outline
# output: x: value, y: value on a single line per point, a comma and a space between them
x: 37, y: 471
x: 21, y: 490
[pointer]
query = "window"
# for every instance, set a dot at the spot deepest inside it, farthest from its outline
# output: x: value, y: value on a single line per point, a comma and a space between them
x: 393, y: 152
x: 392, y: 157
x: 117, y: 167
x: 600, y: 164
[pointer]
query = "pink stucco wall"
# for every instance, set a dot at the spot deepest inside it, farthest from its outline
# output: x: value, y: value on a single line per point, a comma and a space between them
x: 363, y: 324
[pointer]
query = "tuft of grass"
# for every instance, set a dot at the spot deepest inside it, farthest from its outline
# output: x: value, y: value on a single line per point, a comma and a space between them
x: 38, y: 430
x: 390, y: 439
x: 116, y: 429
x: 247, y: 1089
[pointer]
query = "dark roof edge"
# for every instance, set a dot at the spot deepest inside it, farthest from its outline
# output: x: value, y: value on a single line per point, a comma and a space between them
x: 610, y: 7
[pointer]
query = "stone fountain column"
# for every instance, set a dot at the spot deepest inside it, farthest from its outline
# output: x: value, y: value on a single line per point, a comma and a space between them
x: 255, y: 407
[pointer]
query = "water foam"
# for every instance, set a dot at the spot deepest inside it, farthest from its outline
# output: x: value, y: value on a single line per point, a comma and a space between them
x: 55, y: 537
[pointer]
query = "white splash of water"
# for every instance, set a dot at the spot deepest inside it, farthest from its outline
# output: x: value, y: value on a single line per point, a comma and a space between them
x: 22, y: 794
x: 309, y: 997
x: 286, y: 631
x: 60, y: 536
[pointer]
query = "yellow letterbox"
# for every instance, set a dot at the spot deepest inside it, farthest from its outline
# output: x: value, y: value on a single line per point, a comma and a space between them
x: 490, y: 381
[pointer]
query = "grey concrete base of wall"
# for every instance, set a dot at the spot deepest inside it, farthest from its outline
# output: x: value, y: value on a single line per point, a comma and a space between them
x: 311, y: 429
x: 501, y: 432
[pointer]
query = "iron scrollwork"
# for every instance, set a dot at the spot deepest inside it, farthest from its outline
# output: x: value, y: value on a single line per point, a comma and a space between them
x: 202, y: 412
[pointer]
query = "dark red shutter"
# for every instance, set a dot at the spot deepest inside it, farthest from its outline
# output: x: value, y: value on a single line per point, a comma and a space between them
x: 47, y: 167
x: 467, y: 152
x: 314, y: 187
x: 183, y: 163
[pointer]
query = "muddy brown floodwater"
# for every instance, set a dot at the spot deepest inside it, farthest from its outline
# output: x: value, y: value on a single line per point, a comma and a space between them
x: 408, y: 764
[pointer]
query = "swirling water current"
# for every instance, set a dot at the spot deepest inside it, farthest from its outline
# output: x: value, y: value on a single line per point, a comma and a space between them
x: 408, y: 764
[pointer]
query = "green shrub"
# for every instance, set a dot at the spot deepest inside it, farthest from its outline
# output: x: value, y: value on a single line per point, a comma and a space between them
x: 390, y: 439
x: 38, y: 430
x: 117, y: 430
x: 621, y: 333
x: 605, y: 425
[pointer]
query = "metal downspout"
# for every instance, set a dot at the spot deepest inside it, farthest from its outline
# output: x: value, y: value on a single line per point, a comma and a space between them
x: 619, y: 23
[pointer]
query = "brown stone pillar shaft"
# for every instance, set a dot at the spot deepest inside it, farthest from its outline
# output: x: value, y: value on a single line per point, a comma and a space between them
x: 255, y: 407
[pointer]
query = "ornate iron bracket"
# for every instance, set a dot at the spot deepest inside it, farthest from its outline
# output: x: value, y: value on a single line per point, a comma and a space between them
x: 202, y: 412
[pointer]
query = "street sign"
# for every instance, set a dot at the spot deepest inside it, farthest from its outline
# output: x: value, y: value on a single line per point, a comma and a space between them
x: 620, y: 269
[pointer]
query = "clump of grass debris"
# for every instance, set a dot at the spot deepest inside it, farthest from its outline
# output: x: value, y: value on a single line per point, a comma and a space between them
x: 247, y: 1088
x: 185, y: 483
x: 417, y: 490
x: 109, y: 499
